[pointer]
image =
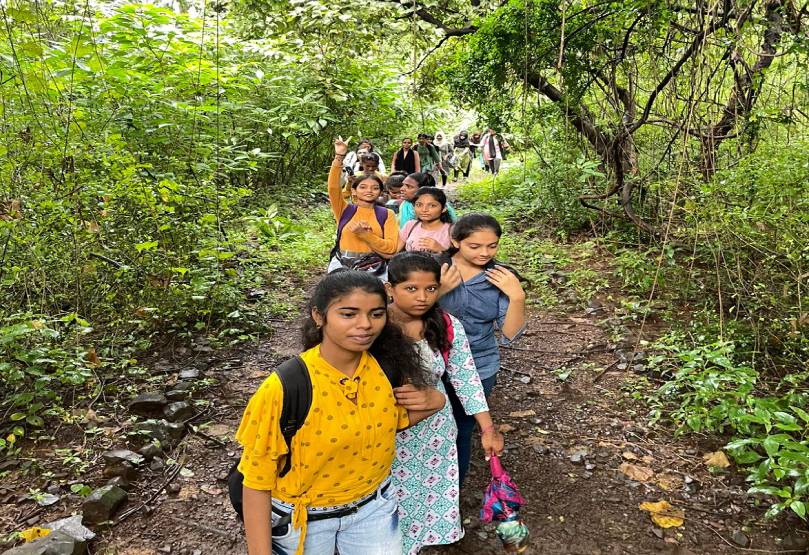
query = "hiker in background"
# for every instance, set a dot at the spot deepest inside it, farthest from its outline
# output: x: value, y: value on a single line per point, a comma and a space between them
x: 393, y: 185
x: 406, y: 159
x: 410, y: 186
x: 493, y: 149
x: 425, y: 472
x: 429, y: 232
x: 464, y: 153
x: 367, y: 233
x: 447, y: 155
x: 475, y: 150
x: 337, y: 490
x: 428, y: 155
x: 353, y: 160
x: 489, y: 295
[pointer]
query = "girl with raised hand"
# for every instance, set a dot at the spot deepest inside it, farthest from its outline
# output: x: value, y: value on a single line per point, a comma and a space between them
x: 488, y: 295
x: 367, y: 233
x: 410, y: 186
x: 425, y: 472
x: 429, y: 232
x: 337, y: 490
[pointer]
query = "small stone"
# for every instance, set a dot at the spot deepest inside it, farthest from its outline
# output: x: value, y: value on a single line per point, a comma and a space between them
x: 189, y: 374
x: 150, y: 451
x: 639, y: 368
x: 178, y: 394
x: 72, y: 527
x: 691, y: 451
x: 101, y: 505
x: 587, y: 475
x: 157, y: 464
x: 524, y: 379
x: 482, y: 534
x: 577, y: 458
x: 148, y: 404
x: 179, y: 411
x: 595, y: 304
x: 740, y: 538
x: 161, y: 430
x: 183, y: 386
x: 640, y: 356
x: 589, y: 466
x: 622, y: 366
x: 173, y: 488
x: 164, y: 549
x: 123, y: 455
x: 121, y: 482
x: 47, y: 500
x: 55, y: 543
x: 123, y: 469
x: 658, y: 532
x: 540, y: 449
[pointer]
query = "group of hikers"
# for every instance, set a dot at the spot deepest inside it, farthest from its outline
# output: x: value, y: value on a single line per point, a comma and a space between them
x: 362, y: 443
x: 433, y: 154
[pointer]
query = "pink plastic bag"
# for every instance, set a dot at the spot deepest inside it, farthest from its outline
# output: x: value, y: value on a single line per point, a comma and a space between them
x: 501, y: 503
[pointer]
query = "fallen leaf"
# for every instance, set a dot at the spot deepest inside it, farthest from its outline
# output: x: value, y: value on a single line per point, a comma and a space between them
x: 629, y: 456
x: 647, y: 459
x: 92, y: 358
x: 669, y: 482
x: 522, y: 413
x: 637, y: 472
x: 663, y: 514
x: 717, y: 459
x: 211, y: 490
x: 219, y: 430
x: 186, y: 472
x: 33, y: 533
x: 505, y: 428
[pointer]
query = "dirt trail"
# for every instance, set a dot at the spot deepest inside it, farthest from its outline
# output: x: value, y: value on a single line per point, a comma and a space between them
x: 569, y: 426
x: 572, y: 429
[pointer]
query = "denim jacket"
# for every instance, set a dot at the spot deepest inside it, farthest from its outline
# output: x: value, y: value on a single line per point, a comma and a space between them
x: 479, y: 305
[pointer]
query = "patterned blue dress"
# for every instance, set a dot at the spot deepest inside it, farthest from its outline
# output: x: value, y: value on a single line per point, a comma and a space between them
x: 425, y: 471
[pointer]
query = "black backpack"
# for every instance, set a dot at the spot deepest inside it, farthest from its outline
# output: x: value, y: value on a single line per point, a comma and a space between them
x: 297, y: 386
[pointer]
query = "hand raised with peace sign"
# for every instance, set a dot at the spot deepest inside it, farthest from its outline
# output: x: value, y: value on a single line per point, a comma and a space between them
x: 341, y: 146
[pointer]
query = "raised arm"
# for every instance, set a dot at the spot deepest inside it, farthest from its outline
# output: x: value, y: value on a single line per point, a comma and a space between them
x: 338, y: 203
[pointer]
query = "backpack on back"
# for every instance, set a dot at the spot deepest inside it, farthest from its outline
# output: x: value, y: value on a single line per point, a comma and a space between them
x: 297, y: 386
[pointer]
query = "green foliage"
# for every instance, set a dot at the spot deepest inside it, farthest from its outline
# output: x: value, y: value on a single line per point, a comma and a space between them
x: 707, y: 390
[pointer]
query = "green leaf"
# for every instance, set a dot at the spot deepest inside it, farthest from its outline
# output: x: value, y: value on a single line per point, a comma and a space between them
x: 146, y: 246
x: 799, y: 508
x: 17, y: 416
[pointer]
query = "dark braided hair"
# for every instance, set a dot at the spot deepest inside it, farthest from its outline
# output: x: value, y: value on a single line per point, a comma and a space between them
x: 399, y: 269
x: 423, y: 179
x: 392, y: 350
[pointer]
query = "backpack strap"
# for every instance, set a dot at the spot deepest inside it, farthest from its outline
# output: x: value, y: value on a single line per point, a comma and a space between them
x: 345, y: 217
x: 381, y: 214
x: 297, y: 387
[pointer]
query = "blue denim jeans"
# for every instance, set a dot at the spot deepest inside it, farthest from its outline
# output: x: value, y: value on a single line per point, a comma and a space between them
x: 372, y: 530
x: 466, y: 427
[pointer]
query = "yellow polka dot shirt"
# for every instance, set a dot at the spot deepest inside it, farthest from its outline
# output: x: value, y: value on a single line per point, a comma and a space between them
x: 343, y: 451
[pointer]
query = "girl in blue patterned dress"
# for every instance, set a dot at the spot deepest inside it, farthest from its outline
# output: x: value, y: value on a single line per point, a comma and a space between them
x: 425, y: 472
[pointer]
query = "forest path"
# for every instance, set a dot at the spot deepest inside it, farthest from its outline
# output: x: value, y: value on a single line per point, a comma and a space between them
x: 569, y: 426
x: 578, y: 445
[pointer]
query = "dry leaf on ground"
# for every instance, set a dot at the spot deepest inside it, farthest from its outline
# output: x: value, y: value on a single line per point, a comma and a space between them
x: 33, y: 533
x: 505, y: 428
x: 637, y: 472
x: 663, y: 514
x: 716, y: 459
x: 522, y: 413
x: 220, y: 430
x: 211, y: 490
x: 629, y: 456
x: 669, y: 482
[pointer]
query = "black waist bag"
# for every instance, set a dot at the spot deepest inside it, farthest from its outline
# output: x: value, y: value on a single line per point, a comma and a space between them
x: 297, y: 387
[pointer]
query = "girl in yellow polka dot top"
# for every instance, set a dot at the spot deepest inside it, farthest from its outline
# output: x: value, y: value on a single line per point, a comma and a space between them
x: 336, y: 493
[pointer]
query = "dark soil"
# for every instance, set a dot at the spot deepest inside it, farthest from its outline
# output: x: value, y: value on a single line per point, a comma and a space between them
x: 570, y: 422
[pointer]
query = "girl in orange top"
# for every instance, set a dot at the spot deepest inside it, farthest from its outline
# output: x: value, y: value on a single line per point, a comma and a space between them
x: 367, y: 383
x: 363, y: 234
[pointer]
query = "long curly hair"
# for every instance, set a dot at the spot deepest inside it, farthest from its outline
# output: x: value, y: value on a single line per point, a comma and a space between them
x: 392, y: 350
x: 399, y: 269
